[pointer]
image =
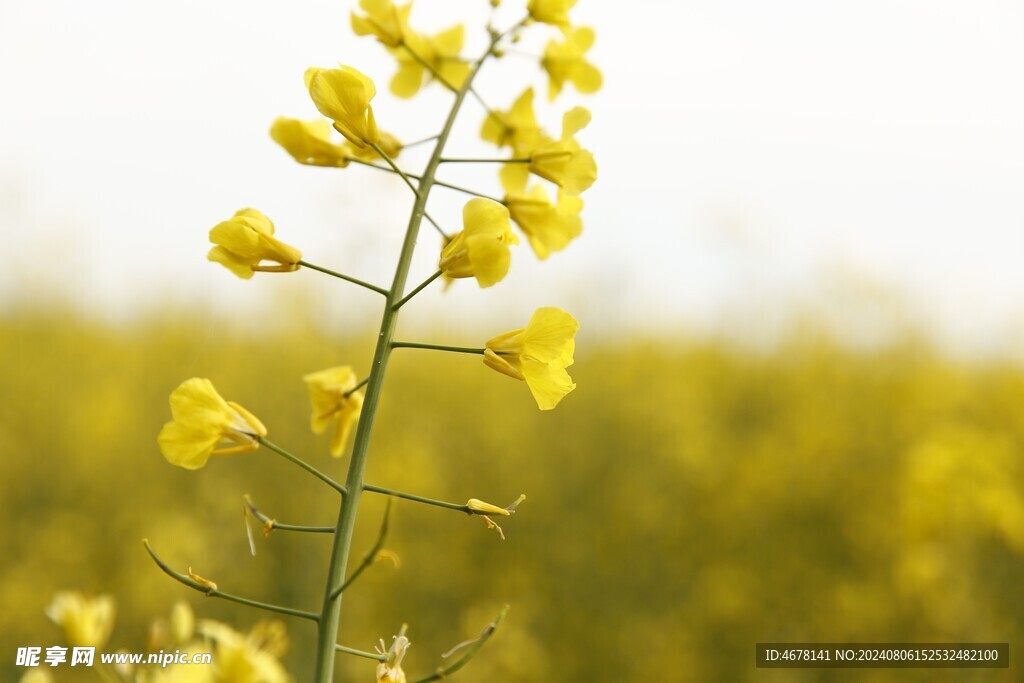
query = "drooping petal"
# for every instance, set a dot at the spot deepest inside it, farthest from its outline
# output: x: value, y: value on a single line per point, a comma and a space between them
x: 548, y: 383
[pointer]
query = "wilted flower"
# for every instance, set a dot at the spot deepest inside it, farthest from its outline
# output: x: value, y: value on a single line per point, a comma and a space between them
x: 390, y: 671
x: 551, y: 11
x: 441, y: 52
x: 564, y: 162
x: 566, y: 62
x: 87, y: 621
x: 538, y: 354
x: 384, y: 19
x: 246, y: 240
x: 335, y: 400
x: 481, y: 250
x: 202, y: 419
x: 343, y: 95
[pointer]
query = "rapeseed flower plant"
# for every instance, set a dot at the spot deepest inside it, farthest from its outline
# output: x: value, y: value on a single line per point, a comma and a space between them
x: 563, y: 161
x: 385, y: 20
x: 538, y: 354
x: 555, y: 12
x: 481, y: 250
x: 86, y: 621
x: 204, y: 424
x: 246, y: 240
x: 309, y: 143
x: 202, y: 419
x: 565, y: 62
x: 336, y: 400
x: 516, y: 128
x: 343, y: 95
x: 423, y: 58
x: 548, y: 226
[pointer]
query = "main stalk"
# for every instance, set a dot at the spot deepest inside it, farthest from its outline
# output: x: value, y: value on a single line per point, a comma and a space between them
x: 330, y: 614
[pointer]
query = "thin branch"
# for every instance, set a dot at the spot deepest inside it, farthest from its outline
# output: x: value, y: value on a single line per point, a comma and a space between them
x: 418, y: 289
x: 371, y: 556
x: 361, y: 653
x: 474, y: 160
x: 430, y: 67
x: 421, y: 141
x: 346, y: 278
x: 436, y: 347
x: 356, y: 387
x: 474, y: 648
x: 303, y: 464
x: 391, y: 162
x: 439, y: 183
x: 213, y: 592
x: 271, y: 523
x: 461, y: 507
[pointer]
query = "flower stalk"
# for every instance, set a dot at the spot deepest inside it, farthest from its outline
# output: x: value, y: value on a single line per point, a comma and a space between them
x: 330, y: 613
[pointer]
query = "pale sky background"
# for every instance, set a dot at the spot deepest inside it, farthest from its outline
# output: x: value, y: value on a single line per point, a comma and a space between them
x: 755, y: 159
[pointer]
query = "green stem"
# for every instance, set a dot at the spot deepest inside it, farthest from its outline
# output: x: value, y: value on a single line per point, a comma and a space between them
x: 461, y: 507
x: 214, y: 593
x: 474, y: 160
x: 361, y: 653
x: 346, y: 278
x: 474, y: 648
x: 419, y: 288
x: 303, y: 464
x: 330, y: 613
x: 436, y: 347
x: 274, y: 524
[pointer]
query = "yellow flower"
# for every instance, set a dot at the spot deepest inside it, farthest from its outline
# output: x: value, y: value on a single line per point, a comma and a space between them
x: 343, y: 95
x: 481, y: 250
x: 564, y: 162
x: 551, y: 11
x: 87, y: 622
x: 516, y: 128
x: 549, y: 227
x: 245, y: 658
x: 332, y: 394
x: 309, y: 142
x: 246, y: 240
x: 565, y: 62
x: 441, y: 52
x: 538, y: 354
x: 202, y: 419
x: 390, y: 671
x: 384, y: 19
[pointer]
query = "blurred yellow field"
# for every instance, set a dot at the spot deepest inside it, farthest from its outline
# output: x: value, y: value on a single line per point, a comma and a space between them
x: 692, y: 501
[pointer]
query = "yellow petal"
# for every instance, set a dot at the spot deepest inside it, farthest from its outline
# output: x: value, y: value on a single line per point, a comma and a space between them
x: 408, y: 80
x: 237, y: 265
x: 548, y: 383
x: 549, y: 336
